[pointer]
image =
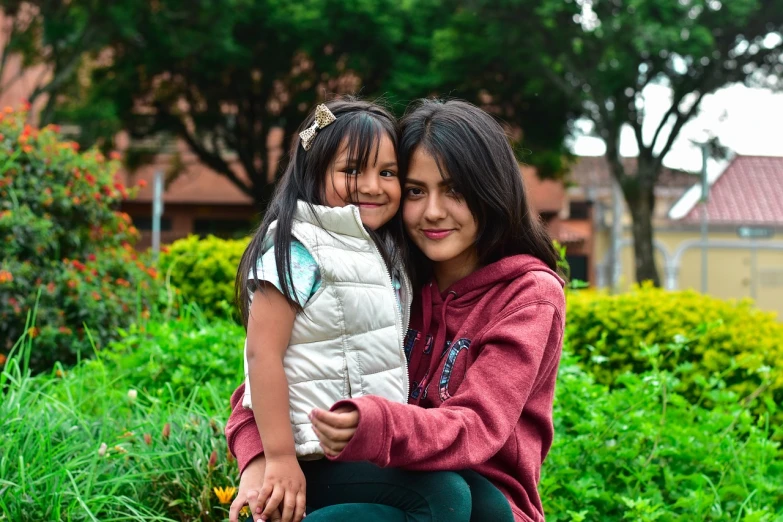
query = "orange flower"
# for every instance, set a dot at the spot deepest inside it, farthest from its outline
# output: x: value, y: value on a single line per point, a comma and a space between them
x: 8, y: 110
x: 6, y: 276
x: 74, y: 145
x: 65, y: 330
x: 96, y: 296
x: 115, y: 155
x: 27, y: 149
x: 152, y: 272
x: 3, y: 359
x: 142, y: 183
x: 33, y: 331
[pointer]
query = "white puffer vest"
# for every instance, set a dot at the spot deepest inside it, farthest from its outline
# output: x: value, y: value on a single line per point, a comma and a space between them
x: 348, y: 341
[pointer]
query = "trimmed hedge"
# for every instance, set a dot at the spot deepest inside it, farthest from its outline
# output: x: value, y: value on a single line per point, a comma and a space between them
x: 731, y: 338
x: 203, y: 272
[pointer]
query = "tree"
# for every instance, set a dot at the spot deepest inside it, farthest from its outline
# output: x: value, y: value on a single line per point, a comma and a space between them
x: 222, y: 76
x: 601, y: 54
x: 60, y: 35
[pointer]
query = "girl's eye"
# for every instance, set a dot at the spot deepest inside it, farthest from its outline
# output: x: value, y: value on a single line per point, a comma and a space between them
x: 351, y: 171
x: 388, y: 174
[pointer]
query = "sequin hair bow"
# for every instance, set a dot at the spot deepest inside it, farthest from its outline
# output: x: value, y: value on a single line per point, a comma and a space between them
x: 323, y: 118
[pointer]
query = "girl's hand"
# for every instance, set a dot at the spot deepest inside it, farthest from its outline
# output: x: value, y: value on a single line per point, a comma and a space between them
x: 283, y: 489
x: 335, y: 429
x: 250, y: 484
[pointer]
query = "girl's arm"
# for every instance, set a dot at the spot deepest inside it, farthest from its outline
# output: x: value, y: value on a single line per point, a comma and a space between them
x: 268, y: 334
x: 474, y: 424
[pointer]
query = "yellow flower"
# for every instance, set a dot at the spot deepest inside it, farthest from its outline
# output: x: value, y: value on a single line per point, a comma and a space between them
x: 245, y: 511
x: 225, y: 495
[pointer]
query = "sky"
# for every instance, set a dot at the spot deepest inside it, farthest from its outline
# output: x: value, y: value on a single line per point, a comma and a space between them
x: 747, y: 120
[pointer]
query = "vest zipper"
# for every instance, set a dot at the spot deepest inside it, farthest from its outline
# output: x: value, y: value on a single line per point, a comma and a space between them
x: 402, y: 331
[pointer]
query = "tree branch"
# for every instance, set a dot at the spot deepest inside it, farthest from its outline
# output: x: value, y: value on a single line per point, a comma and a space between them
x: 682, y: 119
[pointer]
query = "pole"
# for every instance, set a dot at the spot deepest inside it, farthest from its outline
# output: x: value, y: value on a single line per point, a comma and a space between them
x: 157, y: 212
x: 705, y: 189
x: 753, y: 269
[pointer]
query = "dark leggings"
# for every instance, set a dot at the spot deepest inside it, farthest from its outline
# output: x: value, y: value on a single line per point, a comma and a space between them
x: 337, y: 491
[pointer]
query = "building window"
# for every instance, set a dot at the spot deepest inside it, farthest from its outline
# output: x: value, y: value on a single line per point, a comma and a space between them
x: 145, y: 223
x: 579, y: 210
x: 578, y: 264
x: 224, y: 228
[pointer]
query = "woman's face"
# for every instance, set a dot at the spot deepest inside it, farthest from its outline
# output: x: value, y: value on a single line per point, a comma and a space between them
x: 436, y: 217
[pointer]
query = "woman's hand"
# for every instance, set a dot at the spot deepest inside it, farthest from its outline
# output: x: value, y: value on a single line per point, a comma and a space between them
x: 335, y: 429
x: 283, y: 489
x: 250, y: 484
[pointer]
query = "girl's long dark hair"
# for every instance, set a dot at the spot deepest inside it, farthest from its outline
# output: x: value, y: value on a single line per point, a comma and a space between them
x: 361, y: 124
x: 473, y: 152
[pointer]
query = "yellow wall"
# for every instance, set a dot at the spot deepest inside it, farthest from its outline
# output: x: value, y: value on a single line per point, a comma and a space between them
x: 728, y: 271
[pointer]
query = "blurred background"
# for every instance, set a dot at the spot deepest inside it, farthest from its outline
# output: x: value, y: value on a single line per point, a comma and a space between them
x: 638, y: 124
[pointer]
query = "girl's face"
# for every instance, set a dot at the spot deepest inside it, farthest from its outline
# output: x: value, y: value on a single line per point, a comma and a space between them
x: 375, y: 189
x: 437, y: 218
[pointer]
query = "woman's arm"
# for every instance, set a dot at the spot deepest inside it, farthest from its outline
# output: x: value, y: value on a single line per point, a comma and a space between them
x: 472, y: 425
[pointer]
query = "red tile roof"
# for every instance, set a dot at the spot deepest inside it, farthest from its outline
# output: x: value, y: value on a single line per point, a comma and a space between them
x: 593, y: 171
x: 749, y: 192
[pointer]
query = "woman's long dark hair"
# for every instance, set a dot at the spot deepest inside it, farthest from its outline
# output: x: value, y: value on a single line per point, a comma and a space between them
x: 362, y: 124
x: 473, y: 152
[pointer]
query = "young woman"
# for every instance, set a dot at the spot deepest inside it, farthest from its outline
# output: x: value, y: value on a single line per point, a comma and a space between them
x: 486, y: 327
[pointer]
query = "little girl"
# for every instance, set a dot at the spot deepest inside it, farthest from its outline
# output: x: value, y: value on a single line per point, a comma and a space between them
x: 326, y: 308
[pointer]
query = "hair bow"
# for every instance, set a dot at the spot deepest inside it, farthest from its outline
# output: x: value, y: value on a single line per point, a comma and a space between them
x: 323, y: 117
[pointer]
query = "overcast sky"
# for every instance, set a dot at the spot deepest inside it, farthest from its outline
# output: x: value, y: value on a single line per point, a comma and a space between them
x: 752, y: 124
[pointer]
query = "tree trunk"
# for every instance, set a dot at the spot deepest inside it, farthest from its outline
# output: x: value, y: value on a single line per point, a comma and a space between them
x: 641, y: 202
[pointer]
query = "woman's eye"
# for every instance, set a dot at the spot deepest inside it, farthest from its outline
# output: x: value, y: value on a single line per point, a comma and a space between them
x: 454, y: 193
x: 413, y: 192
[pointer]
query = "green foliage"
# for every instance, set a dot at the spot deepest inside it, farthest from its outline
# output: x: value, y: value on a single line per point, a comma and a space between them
x: 733, y: 339
x: 642, y: 452
x: 637, y: 452
x: 87, y: 445
x: 204, y: 271
x: 173, y: 357
x: 66, y: 253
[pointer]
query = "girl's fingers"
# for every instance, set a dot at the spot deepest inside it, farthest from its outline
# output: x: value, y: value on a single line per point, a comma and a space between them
x: 274, y: 501
x: 299, y: 512
x: 289, y: 505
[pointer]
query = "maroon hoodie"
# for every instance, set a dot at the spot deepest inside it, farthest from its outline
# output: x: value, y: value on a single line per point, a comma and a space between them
x: 483, y: 363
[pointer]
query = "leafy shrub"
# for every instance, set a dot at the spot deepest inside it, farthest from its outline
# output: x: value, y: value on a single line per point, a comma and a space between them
x: 733, y: 339
x: 204, y: 270
x: 170, y: 358
x: 61, y: 236
x: 642, y: 452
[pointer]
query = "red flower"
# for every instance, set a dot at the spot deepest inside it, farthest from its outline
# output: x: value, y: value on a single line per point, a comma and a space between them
x: 96, y: 296
x: 89, y: 178
x: 142, y: 183
x: 65, y: 330
x: 91, y: 257
x: 79, y: 266
x: 115, y: 155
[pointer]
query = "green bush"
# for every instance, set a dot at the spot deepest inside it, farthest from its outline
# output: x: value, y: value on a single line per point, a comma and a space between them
x: 67, y: 254
x: 733, y: 339
x: 170, y: 358
x: 203, y: 271
x: 642, y: 452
